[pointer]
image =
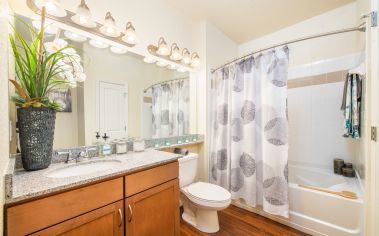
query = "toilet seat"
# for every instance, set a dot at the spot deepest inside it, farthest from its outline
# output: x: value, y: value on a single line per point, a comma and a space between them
x: 209, y: 195
x: 208, y: 192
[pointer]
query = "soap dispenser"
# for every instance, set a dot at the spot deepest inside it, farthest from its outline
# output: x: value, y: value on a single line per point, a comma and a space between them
x: 98, y: 143
x: 107, y: 148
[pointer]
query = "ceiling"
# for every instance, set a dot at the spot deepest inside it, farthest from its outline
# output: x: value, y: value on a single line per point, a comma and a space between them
x: 245, y: 20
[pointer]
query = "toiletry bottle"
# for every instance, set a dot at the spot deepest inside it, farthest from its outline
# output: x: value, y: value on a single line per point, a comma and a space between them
x: 107, y: 148
x: 98, y: 143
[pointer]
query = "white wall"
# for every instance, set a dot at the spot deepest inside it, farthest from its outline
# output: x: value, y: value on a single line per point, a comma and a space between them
x: 314, y: 49
x: 66, y: 125
x: 5, y: 74
x: 217, y: 48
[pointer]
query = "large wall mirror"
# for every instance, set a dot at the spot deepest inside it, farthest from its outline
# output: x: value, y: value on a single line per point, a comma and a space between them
x: 122, y: 96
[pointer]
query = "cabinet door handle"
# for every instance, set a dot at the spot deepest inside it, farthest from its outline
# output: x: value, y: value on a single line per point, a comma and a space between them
x: 130, y: 213
x: 119, y: 217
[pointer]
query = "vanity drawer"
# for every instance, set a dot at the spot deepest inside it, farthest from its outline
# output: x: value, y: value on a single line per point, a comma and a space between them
x: 39, y: 214
x: 141, y: 181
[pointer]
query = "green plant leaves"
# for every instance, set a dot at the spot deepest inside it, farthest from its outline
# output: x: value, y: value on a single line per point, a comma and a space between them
x: 37, y: 71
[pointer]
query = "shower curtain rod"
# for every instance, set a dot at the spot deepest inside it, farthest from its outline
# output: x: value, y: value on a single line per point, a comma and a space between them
x: 183, y: 78
x: 360, y: 28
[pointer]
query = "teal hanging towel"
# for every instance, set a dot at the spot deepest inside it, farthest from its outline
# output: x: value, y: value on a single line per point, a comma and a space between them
x: 351, y: 105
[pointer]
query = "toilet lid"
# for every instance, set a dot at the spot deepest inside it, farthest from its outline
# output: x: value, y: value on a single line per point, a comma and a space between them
x: 209, y: 192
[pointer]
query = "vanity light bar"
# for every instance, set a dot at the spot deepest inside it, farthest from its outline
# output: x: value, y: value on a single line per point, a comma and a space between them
x: 182, y: 59
x: 85, y: 26
x: 74, y: 36
x: 53, y: 7
x: 73, y: 20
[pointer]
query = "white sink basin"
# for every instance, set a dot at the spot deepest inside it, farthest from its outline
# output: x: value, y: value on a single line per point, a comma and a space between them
x: 84, y: 168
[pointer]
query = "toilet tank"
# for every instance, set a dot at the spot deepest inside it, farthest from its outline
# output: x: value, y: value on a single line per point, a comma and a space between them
x: 187, y: 169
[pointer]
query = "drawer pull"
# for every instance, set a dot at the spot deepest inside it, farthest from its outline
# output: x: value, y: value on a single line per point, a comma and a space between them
x: 119, y: 217
x: 130, y: 213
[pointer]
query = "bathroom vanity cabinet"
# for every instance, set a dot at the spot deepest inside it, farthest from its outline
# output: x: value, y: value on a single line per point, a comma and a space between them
x: 154, y: 211
x: 140, y: 203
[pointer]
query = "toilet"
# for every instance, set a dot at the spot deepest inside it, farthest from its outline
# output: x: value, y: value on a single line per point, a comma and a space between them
x: 200, y: 200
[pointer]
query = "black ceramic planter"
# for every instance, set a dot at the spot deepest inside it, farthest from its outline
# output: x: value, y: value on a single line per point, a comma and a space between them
x: 36, y: 130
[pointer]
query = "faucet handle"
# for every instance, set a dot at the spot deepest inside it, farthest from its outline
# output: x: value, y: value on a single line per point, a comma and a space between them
x: 60, y: 153
x: 83, y: 154
x: 67, y: 153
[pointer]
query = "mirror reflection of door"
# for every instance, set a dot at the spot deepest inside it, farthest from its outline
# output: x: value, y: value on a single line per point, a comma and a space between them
x: 113, y: 109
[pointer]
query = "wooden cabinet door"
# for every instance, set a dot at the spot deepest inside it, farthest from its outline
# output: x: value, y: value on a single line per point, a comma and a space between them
x: 154, y: 211
x: 105, y: 221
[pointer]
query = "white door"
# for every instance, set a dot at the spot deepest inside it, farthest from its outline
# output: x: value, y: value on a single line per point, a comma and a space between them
x: 113, y: 110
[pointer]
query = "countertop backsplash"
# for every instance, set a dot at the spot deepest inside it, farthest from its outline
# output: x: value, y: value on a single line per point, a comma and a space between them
x: 158, y: 143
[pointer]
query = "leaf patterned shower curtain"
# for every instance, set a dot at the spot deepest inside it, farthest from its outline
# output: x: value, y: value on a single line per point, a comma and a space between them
x: 249, y: 134
x: 170, y: 109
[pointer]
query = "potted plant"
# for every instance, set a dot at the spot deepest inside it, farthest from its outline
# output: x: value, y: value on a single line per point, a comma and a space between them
x: 39, y: 72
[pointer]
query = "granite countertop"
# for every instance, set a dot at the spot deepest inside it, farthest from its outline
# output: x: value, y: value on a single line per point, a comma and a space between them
x: 21, y: 185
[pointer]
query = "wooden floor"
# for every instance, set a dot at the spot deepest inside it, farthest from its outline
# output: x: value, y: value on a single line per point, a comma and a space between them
x: 239, y: 222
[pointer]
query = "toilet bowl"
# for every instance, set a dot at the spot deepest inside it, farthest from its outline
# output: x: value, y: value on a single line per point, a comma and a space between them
x: 200, y: 200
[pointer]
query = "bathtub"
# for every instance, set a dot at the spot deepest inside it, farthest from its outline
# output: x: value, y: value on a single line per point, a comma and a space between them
x: 324, y: 213
x: 319, y: 213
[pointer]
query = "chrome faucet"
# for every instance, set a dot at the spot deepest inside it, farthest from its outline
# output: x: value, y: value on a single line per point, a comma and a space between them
x: 79, y: 157
x: 70, y: 158
x: 68, y: 155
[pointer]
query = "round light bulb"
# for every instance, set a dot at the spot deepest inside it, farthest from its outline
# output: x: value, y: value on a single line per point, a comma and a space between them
x: 161, y: 63
x: 83, y: 19
x: 118, y: 50
x: 148, y: 60
x: 98, y: 44
x: 75, y: 37
x: 48, y: 29
x: 171, y: 67
x: 181, y: 70
x: 53, y: 7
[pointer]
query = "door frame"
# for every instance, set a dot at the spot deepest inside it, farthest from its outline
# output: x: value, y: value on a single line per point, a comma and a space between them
x: 372, y: 164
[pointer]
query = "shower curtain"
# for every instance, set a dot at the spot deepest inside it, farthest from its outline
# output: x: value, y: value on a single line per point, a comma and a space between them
x: 170, y: 109
x: 249, y: 130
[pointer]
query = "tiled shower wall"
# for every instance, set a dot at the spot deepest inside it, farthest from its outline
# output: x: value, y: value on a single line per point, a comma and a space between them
x: 316, y: 121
